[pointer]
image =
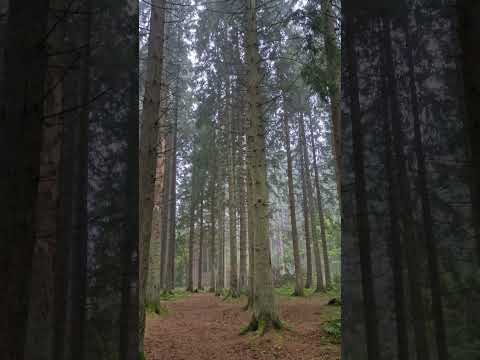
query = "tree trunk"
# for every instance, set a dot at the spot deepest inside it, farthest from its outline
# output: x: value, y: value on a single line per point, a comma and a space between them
x: 432, y: 253
x: 333, y: 70
x: 321, y: 215
x: 315, y: 239
x: 21, y: 121
x: 242, y: 211
x: 265, y: 313
x: 172, y: 219
x: 469, y: 28
x: 251, y: 222
x: 395, y: 246
x: 406, y: 210
x: 165, y: 213
x: 213, y: 179
x: 220, y: 285
x: 293, y: 217
x: 40, y: 331
x: 191, y: 236
x: 200, y: 246
x: 362, y: 224
x: 149, y: 138
x: 232, y: 214
x: 307, y: 207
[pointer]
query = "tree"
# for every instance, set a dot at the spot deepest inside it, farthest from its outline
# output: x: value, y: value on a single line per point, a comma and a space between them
x: 149, y: 133
x: 264, y: 305
x: 293, y: 217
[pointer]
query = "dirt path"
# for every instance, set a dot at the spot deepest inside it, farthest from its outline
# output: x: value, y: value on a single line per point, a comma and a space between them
x: 203, y: 327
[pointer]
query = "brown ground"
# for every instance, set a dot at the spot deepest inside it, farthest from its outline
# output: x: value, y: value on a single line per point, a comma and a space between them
x: 203, y: 327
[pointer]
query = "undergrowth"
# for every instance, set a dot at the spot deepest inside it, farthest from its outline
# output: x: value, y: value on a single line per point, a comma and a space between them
x: 177, y: 294
x: 333, y: 328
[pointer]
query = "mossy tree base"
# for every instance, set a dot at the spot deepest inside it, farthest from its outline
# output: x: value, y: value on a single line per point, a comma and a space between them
x: 298, y: 293
x: 231, y: 294
x: 262, y: 324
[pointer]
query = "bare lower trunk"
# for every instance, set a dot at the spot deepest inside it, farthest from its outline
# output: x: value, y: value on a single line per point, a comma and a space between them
x: 242, y: 209
x: 307, y: 206
x: 232, y: 214
x: 200, y: 247
x: 321, y: 215
x: 191, y: 235
x: 293, y: 217
x: 211, y: 256
x: 363, y: 226
x: 220, y: 285
x: 172, y: 204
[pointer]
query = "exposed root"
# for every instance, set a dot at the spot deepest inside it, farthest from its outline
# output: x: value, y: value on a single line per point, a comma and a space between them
x: 231, y: 294
x: 262, y: 326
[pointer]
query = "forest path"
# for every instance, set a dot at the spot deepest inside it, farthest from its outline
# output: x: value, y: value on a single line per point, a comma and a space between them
x: 204, y: 327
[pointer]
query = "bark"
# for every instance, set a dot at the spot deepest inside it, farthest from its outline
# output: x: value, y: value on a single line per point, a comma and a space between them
x: 170, y: 286
x: 242, y: 211
x: 307, y: 206
x: 251, y: 223
x: 191, y: 236
x: 406, y: 210
x: 75, y: 203
x: 149, y: 138
x: 321, y: 215
x: 315, y: 239
x: 153, y: 284
x: 468, y: 11
x: 232, y: 214
x: 200, y: 247
x: 333, y: 69
x: 293, y: 217
x: 40, y: 331
x: 129, y: 323
x: 220, y: 284
x: 265, y: 313
x: 211, y: 246
x: 394, y: 242
x: 21, y: 121
x: 363, y: 226
x: 432, y: 253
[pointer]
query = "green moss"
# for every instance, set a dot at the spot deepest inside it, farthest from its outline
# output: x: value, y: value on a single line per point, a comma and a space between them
x: 156, y: 308
x: 142, y: 356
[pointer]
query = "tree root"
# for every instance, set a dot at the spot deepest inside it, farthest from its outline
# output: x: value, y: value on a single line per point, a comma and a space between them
x: 231, y: 294
x: 262, y: 326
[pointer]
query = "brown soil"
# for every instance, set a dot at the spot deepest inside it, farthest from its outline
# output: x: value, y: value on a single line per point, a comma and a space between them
x: 204, y: 327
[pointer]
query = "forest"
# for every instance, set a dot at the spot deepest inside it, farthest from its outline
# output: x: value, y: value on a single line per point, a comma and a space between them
x: 236, y: 131
x: 239, y: 179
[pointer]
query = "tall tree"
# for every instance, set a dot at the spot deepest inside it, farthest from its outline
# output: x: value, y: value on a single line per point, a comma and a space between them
x: 149, y: 138
x: 291, y: 203
x: 265, y: 313
x: 321, y: 215
x: 22, y: 114
x: 306, y: 205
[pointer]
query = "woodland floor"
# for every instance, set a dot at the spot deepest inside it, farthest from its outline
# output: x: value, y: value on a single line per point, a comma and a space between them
x: 204, y: 327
